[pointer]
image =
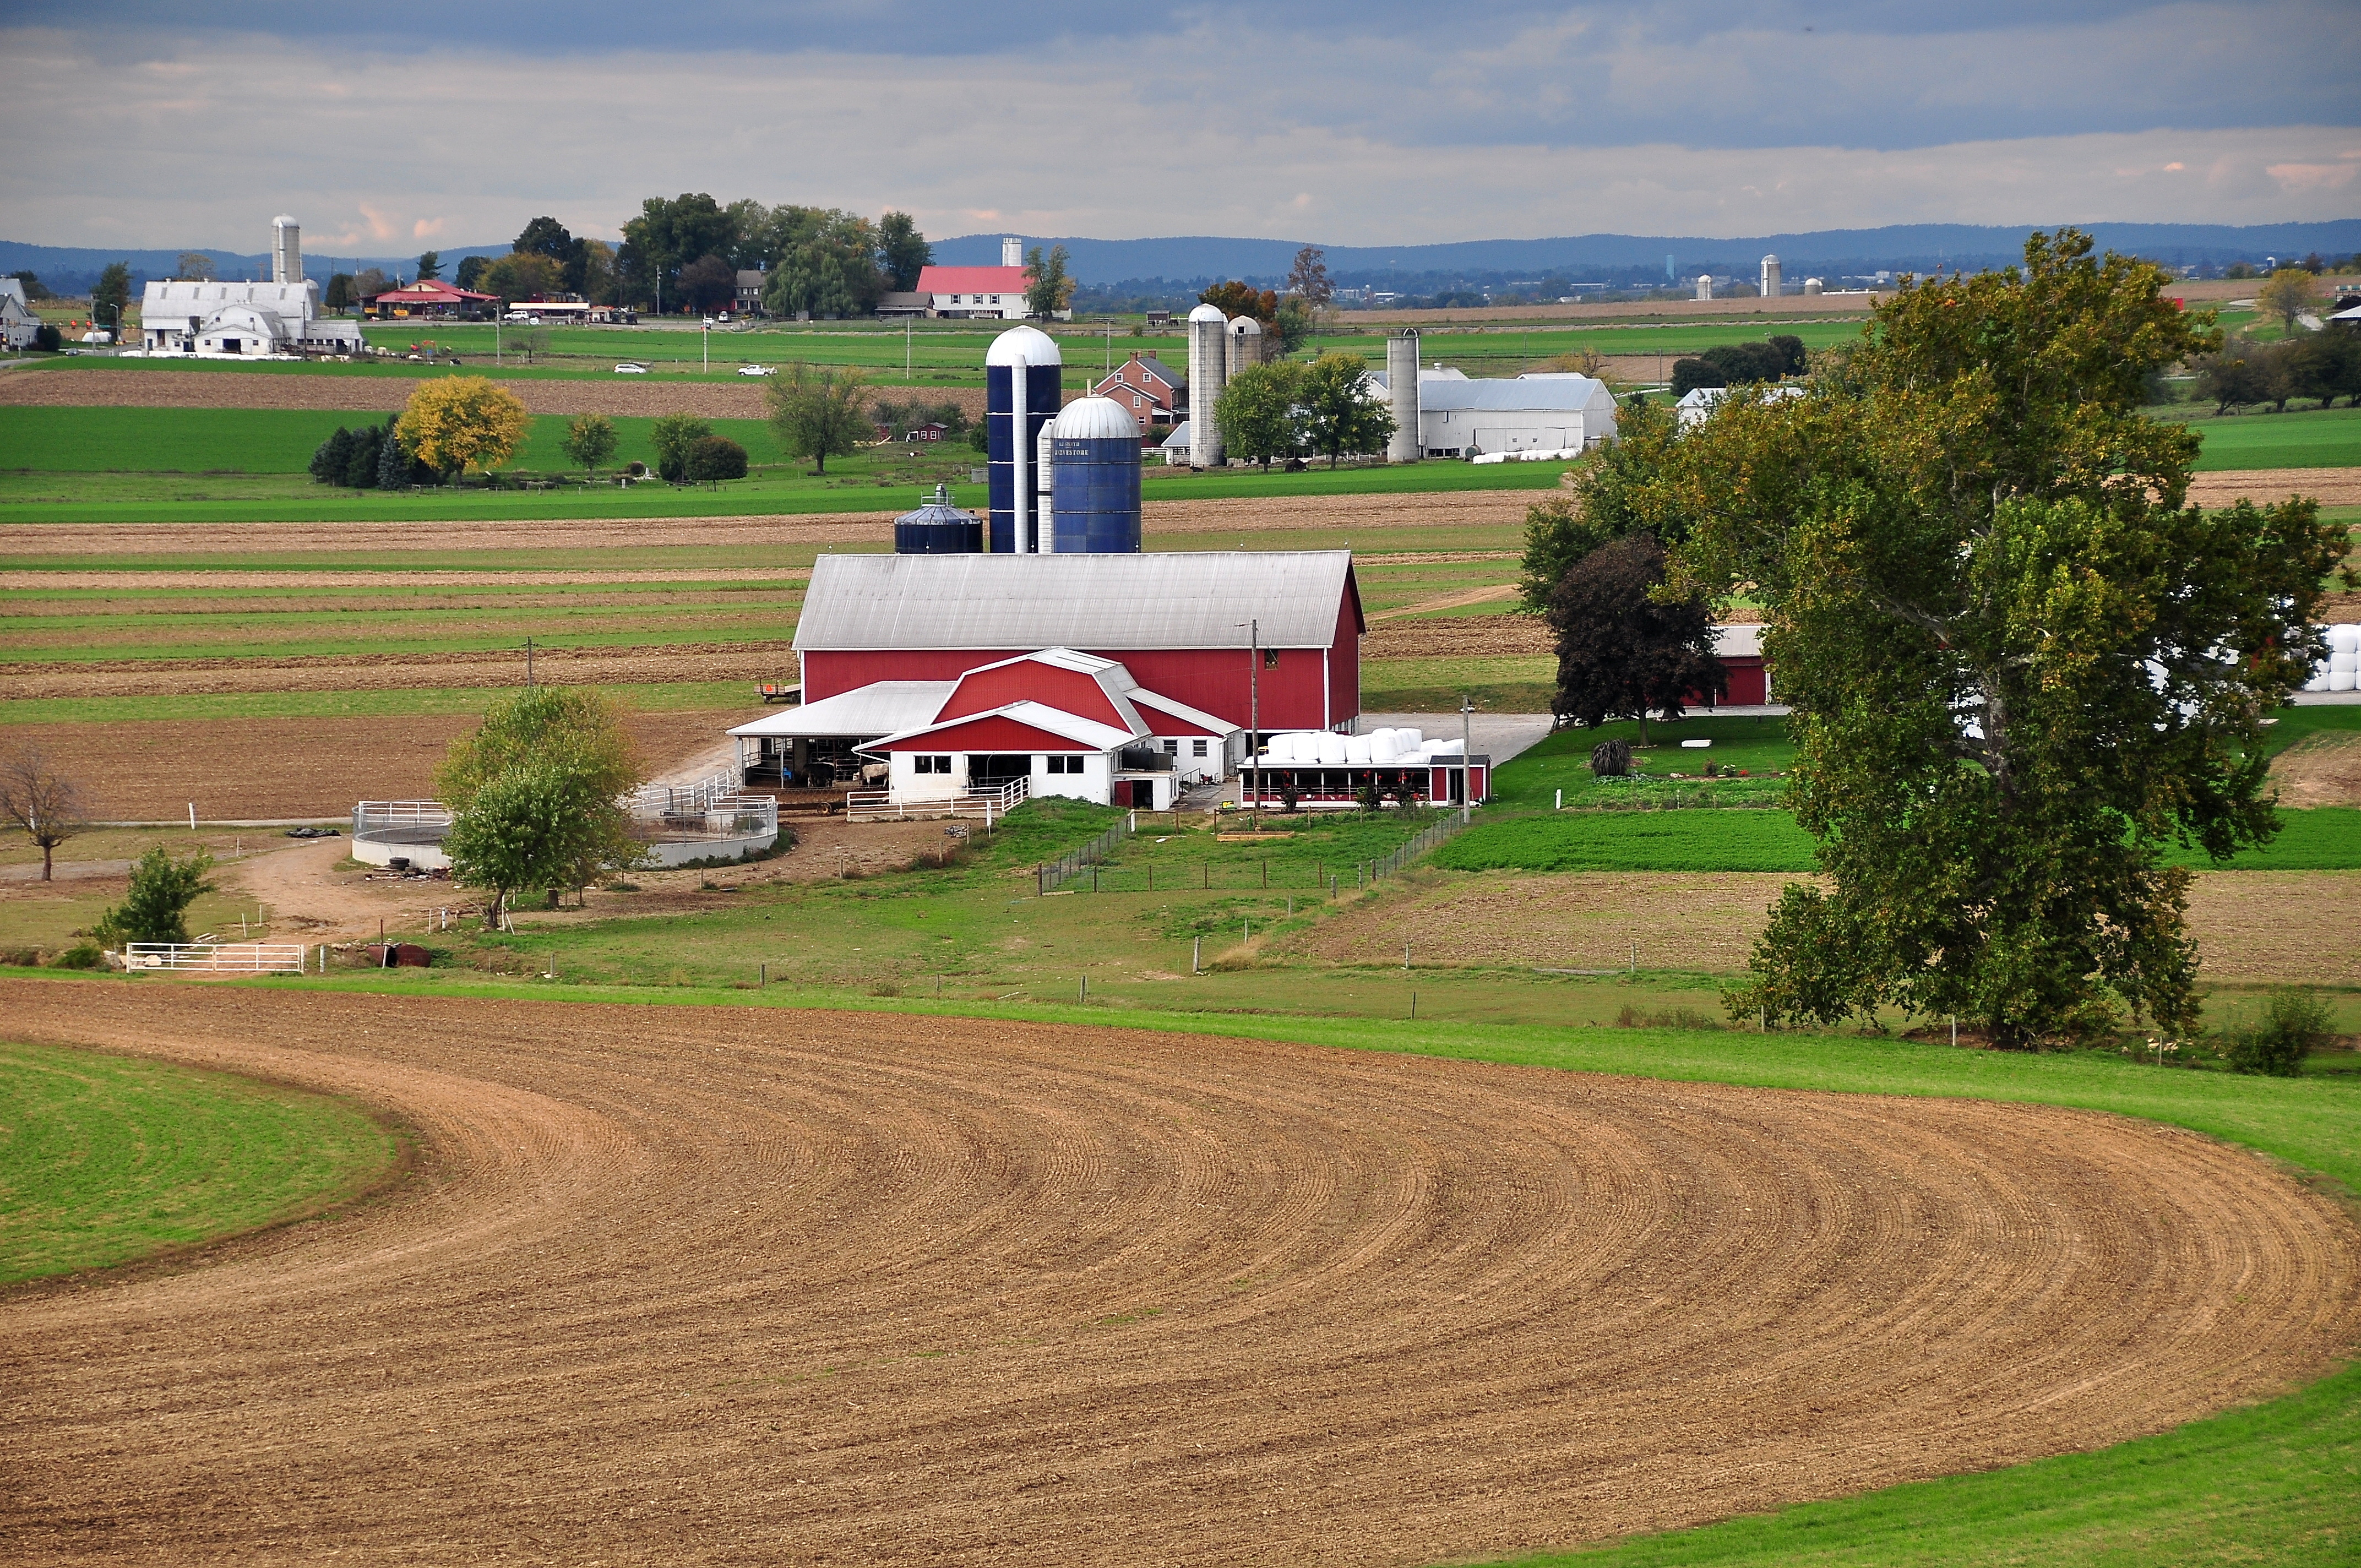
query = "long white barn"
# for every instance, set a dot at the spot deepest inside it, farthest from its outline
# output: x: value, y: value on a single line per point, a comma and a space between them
x: 242, y: 320
x: 1539, y: 411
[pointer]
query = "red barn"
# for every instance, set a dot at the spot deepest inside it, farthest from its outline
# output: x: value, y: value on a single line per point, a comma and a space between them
x: 1205, y: 628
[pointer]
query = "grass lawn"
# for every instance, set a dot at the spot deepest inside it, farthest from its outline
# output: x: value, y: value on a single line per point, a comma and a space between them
x: 104, y: 1159
x: 2304, y: 438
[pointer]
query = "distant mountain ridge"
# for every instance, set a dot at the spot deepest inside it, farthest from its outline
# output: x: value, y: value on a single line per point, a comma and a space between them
x: 1896, y: 247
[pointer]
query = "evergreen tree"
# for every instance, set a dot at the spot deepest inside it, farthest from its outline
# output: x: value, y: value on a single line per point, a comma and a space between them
x: 393, y: 462
x: 333, y: 457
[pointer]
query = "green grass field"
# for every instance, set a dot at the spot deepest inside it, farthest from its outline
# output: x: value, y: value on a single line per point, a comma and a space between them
x: 2306, y: 438
x: 104, y: 1159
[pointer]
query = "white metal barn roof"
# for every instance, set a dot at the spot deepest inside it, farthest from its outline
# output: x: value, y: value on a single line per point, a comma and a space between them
x: 880, y: 708
x: 1171, y: 599
x: 1513, y: 395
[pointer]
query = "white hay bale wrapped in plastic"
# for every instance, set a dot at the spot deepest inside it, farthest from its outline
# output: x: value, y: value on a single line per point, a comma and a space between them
x: 1383, y: 749
x: 2346, y: 663
x: 2340, y: 680
x: 2344, y: 637
x: 1356, y: 751
x: 1446, y: 747
x: 2319, y: 682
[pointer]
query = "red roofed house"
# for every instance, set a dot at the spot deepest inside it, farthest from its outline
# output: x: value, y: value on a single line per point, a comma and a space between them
x: 992, y: 293
x: 433, y: 297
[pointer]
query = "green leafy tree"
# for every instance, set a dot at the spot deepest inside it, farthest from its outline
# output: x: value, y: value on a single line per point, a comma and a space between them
x: 1048, y: 289
x: 715, y: 457
x: 545, y: 237
x: 1339, y: 414
x: 1605, y: 503
x: 2325, y: 364
x: 1693, y: 372
x: 520, y: 275
x: 470, y: 275
x: 1257, y: 412
x: 537, y: 793
x: 672, y: 437
x: 34, y: 289
x: 195, y: 266
x: 600, y: 280
x: 667, y: 236
x: 2242, y: 372
x: 1624, y: 651
x: 1293, y: 324
x: 396, y: 468
x: 902, y: 251
x: 156, y: 908
x: 332, y: 457
x: 818, y: 413
x: 2021, y: 667
x: 339, y: 296
x: 1308, y: 278
x: 113, y: 292
x: 826, y: 263
x: 430, y: 266
x: 591, y: 440
x: 2286, y: 294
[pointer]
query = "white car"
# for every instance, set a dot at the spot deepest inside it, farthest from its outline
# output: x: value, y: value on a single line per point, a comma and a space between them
x: 627, y: 368
x: 758, y: 369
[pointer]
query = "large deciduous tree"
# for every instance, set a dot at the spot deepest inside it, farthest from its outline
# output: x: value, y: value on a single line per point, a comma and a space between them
x: 708, y: 283
x: 2022, y: 666
x: 902, y: 251
x: 522, y: 274
x: 816, y: 413
x: 1048, y: 289
x: 2286, y: 294
x: 1623, y: 653
x: 537, y: 794
x: 672, y: 437
x: 112, y: 294
x: 1339, y: 414
x: 1257, y: 412
x: 40, y: 800
x: 591, y: 440
x: 1308, y: 278
x: 1604, y: 504
x: 823, y: 262
x: 454, y: 423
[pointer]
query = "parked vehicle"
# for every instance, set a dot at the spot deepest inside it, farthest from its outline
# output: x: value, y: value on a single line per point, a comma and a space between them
x: 627, y: 368
x: 758, y: 369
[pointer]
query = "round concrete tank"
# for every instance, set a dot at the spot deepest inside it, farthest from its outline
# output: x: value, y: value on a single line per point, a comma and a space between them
x: 1209, y: 359
x: 1401, y: 389
x: 1812, y: 285
x: 1705, y: 286
x: 1772, y: 282
x: 938, y: 528
x: 1246, y: 345
x: 1022, y: 373
x: 1095, y: 455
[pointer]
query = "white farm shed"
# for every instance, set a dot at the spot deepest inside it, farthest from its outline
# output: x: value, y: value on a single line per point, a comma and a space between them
x: 1459, y: 416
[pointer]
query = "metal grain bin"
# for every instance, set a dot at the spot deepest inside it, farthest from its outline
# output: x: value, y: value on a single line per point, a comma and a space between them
x: 938, y: 528
x: 1094, y: 466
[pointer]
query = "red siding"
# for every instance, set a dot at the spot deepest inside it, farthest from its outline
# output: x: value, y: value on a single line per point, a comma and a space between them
x: 1159, y: 722
x: 980, y: 691
x: 1345, y: 659
x: 1003, y: 735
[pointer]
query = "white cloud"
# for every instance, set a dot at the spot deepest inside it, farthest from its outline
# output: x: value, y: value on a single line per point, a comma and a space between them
x: 465, y: 147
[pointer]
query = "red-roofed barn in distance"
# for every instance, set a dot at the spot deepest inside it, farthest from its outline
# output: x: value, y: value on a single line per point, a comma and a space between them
x: 990, y: 293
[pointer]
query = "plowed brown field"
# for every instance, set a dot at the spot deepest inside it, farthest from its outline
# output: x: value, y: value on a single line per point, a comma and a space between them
x: 2287, y: 927
x: 245, y: 768
x: 691, y: 1285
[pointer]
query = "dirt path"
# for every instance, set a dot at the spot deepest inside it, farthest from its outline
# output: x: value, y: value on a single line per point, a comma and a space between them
x: 704, y: 1285
x: 1459, y: 600
x: 2319, y: 770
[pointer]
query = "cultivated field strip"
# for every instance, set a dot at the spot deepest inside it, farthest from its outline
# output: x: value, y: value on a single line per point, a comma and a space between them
x: 719, y: 1285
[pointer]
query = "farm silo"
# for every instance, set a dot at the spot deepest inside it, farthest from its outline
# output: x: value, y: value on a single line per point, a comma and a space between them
x: 1245, y: 346
x: 1209, y: 357
x: 1022, y: 372
x: 1773, y: 282
x: 1402, y: 391
x: 1094, y: 457
x: 938, y: 528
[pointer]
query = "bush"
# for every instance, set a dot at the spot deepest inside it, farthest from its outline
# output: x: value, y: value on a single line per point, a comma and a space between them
x: 672, y: 437
x: 1690, y: 373
x: 2292, y: 1024
x: 48, y: 339
x: 1610, y: 759
x: 156, y: 909
x: 715, y: 457
x: 81, y: 955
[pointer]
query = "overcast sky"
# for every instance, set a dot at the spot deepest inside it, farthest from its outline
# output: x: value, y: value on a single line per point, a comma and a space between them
x: 388, y: 129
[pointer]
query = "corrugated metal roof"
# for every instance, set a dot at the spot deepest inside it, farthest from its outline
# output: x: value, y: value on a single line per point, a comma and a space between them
x: 1510, y: 396
x: 1738, y: 641
x: 1040, y: 716
x: 879, y: 708
x: 1169, y: 599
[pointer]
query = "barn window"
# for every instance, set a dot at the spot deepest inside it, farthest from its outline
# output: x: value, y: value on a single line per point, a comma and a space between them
x: 1270, y: 658
x: 1057, y: 764
x: 1197, y: 748
x: 930, y: 765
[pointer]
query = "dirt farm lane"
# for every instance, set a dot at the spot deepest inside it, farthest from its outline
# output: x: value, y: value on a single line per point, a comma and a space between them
x: 705, y: 1285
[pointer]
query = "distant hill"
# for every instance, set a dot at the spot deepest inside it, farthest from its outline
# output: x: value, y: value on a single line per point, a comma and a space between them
x: 1902, y: 247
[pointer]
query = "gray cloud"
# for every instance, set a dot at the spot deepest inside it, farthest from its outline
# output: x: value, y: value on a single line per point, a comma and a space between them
x: 1570, y: 126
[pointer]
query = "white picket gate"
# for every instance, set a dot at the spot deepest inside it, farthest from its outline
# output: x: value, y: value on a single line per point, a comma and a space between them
x: 217, y: 958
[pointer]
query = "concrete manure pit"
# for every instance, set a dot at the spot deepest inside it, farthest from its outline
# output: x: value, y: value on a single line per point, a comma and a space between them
x: 736, y: 1284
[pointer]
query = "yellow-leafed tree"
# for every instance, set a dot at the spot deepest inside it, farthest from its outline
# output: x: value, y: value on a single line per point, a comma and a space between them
x: 456, y: 422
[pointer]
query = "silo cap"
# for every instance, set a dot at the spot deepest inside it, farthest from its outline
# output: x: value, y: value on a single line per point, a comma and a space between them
x: 1094, y: 419
x: 1208, y: 313
x: 1247, y: 326
x: 1037, y: 347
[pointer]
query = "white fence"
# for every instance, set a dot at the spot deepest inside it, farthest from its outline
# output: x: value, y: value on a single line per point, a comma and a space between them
x: 668, y: 800
x: 216, y: 958
x: 986, y: 805
x: 716, y: 816
x: 384, y: 816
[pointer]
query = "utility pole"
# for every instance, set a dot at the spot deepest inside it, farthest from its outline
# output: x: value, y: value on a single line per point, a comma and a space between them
x: 528, y: 663
x: 906, y: 376
x: 1254, y: 713
x: 1466, y: 768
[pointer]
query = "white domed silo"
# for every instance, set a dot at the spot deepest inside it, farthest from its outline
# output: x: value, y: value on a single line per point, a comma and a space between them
x: 1246, y: 345
x: 1095, y: 456
x: 1705, y: 286
x: 1771, y: 278
x: 286, y: 250
x: 1812, y: 286
x: 1209, y: 358
x: 1401, y: 390
x: 1022, y: 376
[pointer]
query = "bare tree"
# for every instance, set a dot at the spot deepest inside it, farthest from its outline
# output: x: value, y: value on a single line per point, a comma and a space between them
x: 43, y: 801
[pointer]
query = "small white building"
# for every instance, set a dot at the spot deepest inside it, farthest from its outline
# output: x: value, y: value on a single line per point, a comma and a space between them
x: 1459, y: 416
x: 242, y: 320
x: 1699, y: 403
x: 17, y: 322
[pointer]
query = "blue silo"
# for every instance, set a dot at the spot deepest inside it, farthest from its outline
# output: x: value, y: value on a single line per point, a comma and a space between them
x: 1094, y: 469
x: 1023, y: 374
x: 938, y: 528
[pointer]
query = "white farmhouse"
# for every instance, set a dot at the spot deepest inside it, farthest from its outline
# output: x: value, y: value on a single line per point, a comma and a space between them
x: 17, y: 322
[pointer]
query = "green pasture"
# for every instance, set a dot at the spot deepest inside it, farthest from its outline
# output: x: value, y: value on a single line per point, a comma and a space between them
x: 108, y: 1158
x: 2299, y: 438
